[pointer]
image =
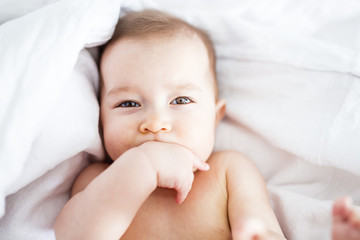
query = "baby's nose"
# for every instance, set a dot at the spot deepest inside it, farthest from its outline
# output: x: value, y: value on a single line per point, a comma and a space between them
x: 154, y: 124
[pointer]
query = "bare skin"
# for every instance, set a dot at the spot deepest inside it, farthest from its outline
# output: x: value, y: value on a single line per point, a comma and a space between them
x: 346, y: 220
x: 160, y: 217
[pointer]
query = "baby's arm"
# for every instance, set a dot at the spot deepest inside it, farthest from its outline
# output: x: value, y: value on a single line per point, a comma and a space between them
x: 107, y: 205
x: 250, y: 212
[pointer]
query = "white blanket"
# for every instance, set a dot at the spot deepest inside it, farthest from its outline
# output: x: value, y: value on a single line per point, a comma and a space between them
x: 289, y: 70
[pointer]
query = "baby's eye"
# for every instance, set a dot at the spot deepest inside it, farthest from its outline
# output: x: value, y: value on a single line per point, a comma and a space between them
x: 182, y: 100
x: 128, y: 104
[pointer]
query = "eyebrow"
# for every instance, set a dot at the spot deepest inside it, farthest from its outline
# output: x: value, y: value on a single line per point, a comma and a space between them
x: 116, y: 90
x: 186, y: 86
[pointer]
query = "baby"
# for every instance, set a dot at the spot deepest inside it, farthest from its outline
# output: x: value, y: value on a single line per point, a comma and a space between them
x: 159, y: 110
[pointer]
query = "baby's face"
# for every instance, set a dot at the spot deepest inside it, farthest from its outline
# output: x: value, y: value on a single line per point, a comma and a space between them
x: 159, y: 89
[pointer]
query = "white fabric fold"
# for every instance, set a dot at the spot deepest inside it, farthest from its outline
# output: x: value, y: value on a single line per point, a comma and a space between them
x: 38, y: 54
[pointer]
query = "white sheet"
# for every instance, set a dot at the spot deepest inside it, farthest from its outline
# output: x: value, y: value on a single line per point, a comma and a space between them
x: 288, y: 69
x: 49, y: 112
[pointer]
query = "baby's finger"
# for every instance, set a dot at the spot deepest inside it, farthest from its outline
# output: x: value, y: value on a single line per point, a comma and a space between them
x: 201, y: 165
x: 183, y: 191
x: 180, y: 197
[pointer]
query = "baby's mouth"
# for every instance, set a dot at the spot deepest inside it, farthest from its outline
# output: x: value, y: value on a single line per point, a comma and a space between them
x: 153, y: 138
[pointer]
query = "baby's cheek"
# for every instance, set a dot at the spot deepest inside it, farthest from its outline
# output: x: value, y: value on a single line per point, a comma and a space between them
x: 204, y: 145
x: 112, y: 145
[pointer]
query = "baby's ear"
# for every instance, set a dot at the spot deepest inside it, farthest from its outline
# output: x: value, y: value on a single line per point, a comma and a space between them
x: 220, y: 109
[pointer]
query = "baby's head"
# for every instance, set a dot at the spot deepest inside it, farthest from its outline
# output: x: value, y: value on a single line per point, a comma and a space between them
x: 159, y: 84
x: 151, y: 24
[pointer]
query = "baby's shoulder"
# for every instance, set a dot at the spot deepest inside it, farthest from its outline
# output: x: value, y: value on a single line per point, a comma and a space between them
x: 231, y: 160
x: 87, y: 175
x: 227, y: 157
x: 234, y: 167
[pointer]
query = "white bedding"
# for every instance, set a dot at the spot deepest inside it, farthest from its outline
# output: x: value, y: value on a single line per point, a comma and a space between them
x: 289, y: 70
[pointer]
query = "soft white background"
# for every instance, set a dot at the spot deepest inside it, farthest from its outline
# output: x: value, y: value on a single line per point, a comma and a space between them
x: 288, y: 69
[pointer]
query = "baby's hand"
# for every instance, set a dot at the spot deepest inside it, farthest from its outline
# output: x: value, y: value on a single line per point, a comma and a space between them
x: 251, y: 228
x: 173, y: 165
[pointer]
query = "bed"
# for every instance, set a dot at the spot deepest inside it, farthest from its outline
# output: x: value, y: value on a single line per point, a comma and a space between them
x: 288, y: 69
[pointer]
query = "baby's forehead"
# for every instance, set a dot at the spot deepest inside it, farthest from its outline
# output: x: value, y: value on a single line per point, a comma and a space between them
x: 175, y: 41
x: 161, y: 38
